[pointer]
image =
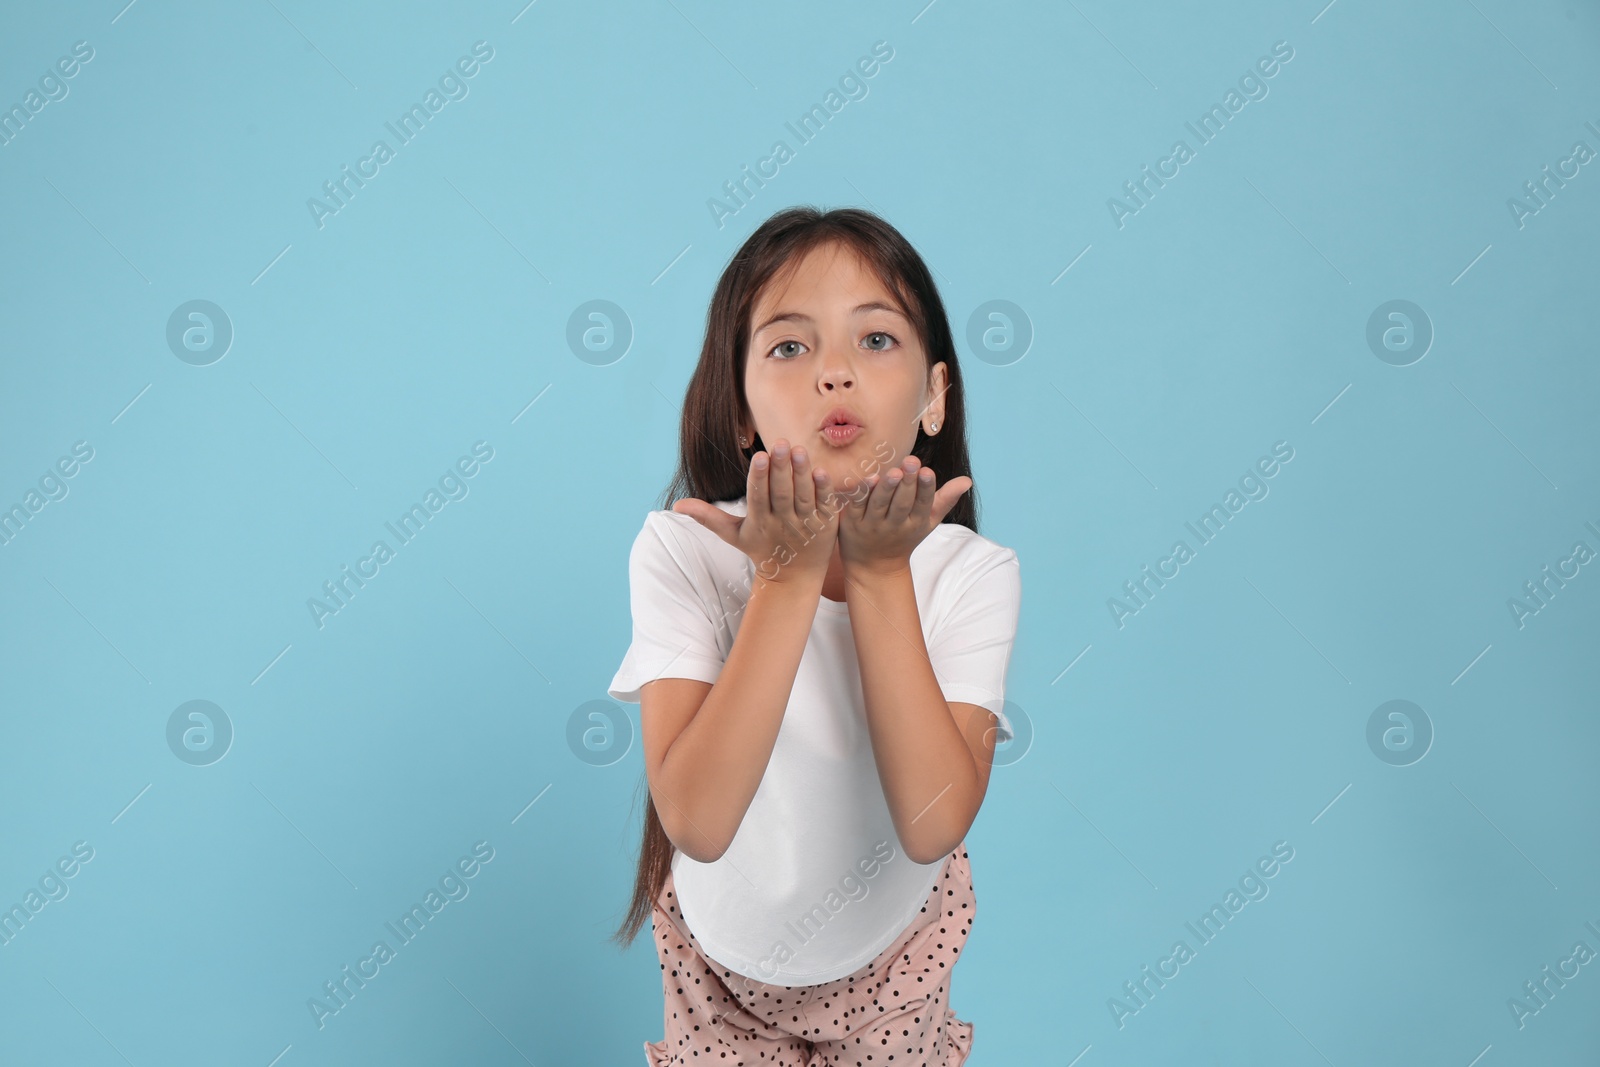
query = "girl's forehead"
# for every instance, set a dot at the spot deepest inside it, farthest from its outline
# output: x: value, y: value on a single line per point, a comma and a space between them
x: 841, y: 275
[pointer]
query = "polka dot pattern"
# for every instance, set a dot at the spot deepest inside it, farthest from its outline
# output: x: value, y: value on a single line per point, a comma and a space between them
x: 893, y: 1012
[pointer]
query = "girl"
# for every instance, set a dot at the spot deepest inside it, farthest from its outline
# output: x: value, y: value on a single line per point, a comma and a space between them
x: 820, y: 644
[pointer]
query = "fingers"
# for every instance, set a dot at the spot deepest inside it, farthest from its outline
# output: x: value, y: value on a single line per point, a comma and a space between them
x: 794, y: 489
x: 854, y: 499
x: 827, y: 498
x: 713, y: 518
x: 922, y: 503
x: 948, y: 494
x: 883, y: 495
x: 897, y: 509
x: 894, y: 493
x: 781, y: 484
x: 805, y: 488
x: 788, y: 505
x: 757, y: 501
x: 818, y: 491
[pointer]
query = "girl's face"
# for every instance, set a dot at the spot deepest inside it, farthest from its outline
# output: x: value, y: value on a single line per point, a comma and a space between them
x: 830, y: 337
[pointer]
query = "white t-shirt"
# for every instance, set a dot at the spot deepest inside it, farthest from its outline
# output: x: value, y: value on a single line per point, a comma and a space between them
x: 815, y: 883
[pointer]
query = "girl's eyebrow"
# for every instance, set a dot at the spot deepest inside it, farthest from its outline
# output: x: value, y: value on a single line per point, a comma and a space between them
x: 796, y: 316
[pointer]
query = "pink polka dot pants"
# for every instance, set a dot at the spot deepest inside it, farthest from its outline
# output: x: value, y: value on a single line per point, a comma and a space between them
x: 893, y: 1011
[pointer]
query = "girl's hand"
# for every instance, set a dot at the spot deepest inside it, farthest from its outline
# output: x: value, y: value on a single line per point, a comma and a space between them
x: 786, y: 531
x: 879, y: 530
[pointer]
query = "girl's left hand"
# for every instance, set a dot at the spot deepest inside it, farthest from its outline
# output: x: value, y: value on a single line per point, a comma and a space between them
x: 880, y: 527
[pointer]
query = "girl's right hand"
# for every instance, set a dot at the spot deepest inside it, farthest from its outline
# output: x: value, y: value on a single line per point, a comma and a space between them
x: 788, y: 529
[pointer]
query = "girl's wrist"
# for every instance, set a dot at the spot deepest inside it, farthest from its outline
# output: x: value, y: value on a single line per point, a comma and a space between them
x: 879, y: 570
x: 788, y: 584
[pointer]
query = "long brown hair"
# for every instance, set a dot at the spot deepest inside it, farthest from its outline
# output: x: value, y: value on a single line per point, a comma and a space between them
x: 711, y: 467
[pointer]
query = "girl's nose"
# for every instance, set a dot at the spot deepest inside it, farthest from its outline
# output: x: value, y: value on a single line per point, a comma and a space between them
x: 836, y: 372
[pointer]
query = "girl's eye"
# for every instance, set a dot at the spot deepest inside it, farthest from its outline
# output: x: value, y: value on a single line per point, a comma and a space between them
x: 871, y: 348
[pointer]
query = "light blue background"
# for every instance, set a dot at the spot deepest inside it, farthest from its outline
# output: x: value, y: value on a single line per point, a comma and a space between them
x: 369, y: 354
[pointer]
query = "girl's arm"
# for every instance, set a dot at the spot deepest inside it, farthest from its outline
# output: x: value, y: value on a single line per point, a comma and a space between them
x: 706, y: 751
x: 933, y: 756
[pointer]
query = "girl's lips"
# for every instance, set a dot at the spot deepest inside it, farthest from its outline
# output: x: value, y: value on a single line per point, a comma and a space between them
x: 840, y: 435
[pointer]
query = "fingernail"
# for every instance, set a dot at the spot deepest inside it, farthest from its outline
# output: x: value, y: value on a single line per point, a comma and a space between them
x: 760, y: 462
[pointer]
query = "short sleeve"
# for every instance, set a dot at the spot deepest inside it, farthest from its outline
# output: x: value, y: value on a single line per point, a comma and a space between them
x: 674, y: 635
x: 970, y: 649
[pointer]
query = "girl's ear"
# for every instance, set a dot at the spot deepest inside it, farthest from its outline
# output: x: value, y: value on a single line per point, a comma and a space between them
x: 938, y: 384
x: 746, y: 433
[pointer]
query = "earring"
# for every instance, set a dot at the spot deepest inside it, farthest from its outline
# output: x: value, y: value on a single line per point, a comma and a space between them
x: 743, y: 442
x: 935, y: 429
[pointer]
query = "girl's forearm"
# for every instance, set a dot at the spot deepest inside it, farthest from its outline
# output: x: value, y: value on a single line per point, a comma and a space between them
x: 713, y: 768
x: 929, y: 778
